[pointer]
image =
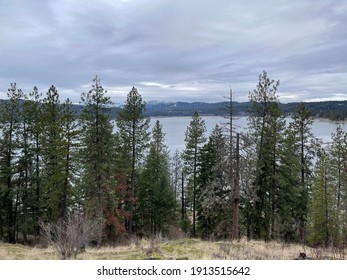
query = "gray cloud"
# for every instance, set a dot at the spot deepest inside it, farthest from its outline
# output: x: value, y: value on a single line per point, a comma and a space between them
x: 175, y: 50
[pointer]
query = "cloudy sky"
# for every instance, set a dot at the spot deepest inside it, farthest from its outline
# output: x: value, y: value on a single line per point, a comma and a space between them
x: 175, y: 50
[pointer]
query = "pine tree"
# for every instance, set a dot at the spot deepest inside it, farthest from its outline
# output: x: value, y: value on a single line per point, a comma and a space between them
x: 134, y: 138
x: 155, y: 197
x: 26, y: 170
x: 305, y: 147
x: 338, y: 154
x: 53, y: 195
x: 323, y: 213
x: 267, y: 124
x: 9, y: 126
x: 214, y: 201
x: 194, y: 139
x: 35, y: 113
x: 289, y: 196
x: 71, y: 136
x: 96, y: 153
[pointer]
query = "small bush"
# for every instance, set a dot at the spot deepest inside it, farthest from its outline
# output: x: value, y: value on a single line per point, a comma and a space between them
x: 70, y: 235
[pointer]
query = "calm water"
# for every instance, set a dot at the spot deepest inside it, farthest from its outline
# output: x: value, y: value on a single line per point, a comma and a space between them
x: 175, y: 128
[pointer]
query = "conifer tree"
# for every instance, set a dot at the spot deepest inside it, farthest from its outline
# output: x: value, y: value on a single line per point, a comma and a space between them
x: 194, y: 138
x: 305, y: 147
x: 36, y: 113
x: 9, y: 126
x: 155, y: 196
x: 30, y: 130
x: 53, y: 196
x: 96, y: 153
x: 71, y: 137
x: 133, y: 135
x: 26, y: 170
x: 289, y: 197
x: 267, y: 124
x: 338, y: 154
x: 214, y: 201
x: 323, y: 212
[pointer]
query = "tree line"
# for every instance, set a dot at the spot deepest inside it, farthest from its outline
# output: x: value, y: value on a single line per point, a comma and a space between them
x: 274, y: 182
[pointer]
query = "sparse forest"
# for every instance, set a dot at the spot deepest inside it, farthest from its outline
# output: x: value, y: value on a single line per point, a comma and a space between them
x: 275, y: 182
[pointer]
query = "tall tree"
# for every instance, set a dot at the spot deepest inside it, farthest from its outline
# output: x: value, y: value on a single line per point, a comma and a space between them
x: 266, y: 124
x: 133, y: 133
x: 27, y: 207
x: 194, y: 138
x: 35, y: 111
x: 96, y: 152
x: 305, y: 147
x: 53, y: 158
x: 25, y: 170
x: 289, y: 197
x: 71, y: 136
x: 338, y: 155
x: 155, y: 196
x: 9, y: 126
x: 323, y: 212
x: 213, y: 193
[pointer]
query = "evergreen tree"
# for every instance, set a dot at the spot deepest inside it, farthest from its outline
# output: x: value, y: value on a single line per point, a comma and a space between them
x: 214, y: 201
x: 155, y: 197
x: 134, y: 138
x: 194, y: 138
x: 305, y: 147
x: 35, y: 113
x: 289, y: 197
x: 9, y: 126
x: 96, y: 154
x: 338, y: 154
x: 25, y: 170
x: 71, y: 137
x: 54, y: 195
x: 267, y: 124
x: 323, y: 212
x: 29, y: 159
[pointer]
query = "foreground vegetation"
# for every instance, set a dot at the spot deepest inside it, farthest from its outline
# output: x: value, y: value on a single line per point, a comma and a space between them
x: 180, y: 249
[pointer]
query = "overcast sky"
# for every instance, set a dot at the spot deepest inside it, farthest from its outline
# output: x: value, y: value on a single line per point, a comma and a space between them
x: 175, y: 50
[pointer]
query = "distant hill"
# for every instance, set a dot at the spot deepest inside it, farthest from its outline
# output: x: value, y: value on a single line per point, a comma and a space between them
x: 334, y: 110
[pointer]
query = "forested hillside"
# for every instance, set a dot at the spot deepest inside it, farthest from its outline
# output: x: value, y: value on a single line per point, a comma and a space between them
x: 275, y: 182
x: 333, y: 110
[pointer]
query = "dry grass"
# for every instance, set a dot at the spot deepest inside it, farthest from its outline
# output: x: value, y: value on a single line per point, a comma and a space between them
x: 21, y: 252
x: 192, y: 249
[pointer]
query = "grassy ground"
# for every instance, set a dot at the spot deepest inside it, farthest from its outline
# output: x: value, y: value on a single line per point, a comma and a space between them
x: 192, y: 249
